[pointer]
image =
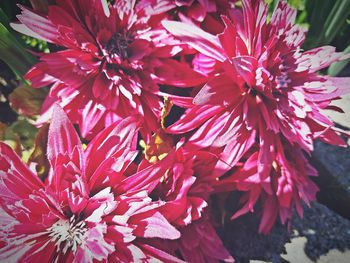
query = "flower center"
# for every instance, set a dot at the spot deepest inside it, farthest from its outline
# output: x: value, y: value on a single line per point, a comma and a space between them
x: 250, y: 90
x: 118, y: 44
x: 68, y: 233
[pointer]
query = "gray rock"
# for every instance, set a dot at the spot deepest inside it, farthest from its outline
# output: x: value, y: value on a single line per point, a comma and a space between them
x: 324, y: 230
x: 336, y: 160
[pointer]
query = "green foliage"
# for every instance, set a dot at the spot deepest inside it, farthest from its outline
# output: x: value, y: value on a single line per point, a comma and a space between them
x: 20, y: 135
x: 37, y: 44
x: 328, y: 25
x: 297, y: 4
x: 11, y: 50
x: 10, y: 7
x: 25, y: 131
x: 326, y: 19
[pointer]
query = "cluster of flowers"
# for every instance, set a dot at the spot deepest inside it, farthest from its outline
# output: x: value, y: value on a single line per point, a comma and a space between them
x: 248, y: 102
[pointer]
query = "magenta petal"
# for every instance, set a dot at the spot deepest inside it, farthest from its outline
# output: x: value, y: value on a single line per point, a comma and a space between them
x: 255, y: 15
x: 203, y: 64
x: 254, y: 195
x: 35, y: 25
x: 91, y: 115
x: 283, y: 17
x: 38, y: 76
x: 194, y: 117
x: 218, y: 91
x: 105, y: 8
x: 270, y: 212
x: 155, y: 226
x: 208, y: 5
x: 63, y: 139
x: 100, y: 85
x: 15, y: 175
x: 200, y: 40
x: 124, y: 8
x: 185, y: 102
x: 155, y: 7
x: 228, y: 38
x: 179, y: 74
x: 208, y: 134
x: 139, y: 48
x: 318, y: 58
x: 147, y: 178
x: 199, y: 242
x: 341, y: 84
x: 118, y: 136
x: 246, y: 68
x: 112, y: 143
x: 159, y: 254
x: 235, y: 149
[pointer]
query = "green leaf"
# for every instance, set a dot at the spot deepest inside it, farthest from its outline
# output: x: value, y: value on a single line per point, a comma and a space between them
x: 13, y: 53
x: 336, y: 19
x: 3, y: 18
x: 318, y: 11
x: 326, y: 19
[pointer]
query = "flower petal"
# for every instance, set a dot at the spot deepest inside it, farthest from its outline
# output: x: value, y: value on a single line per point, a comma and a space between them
x: 153, y: 225
x: 194, y: 117
x: 63, y: 139
x: 15, y: 176
x: 147, y: 178
x: 218, y: 91
x: 200, y: 40
x: 35, y: 25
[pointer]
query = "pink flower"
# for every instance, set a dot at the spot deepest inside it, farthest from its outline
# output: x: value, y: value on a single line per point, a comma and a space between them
x: 285, y: 187
x: 188, y: 181
x: 186, y: 186
x: 88, y: 209
x: 264, y: 96
x: 263, y: 84
x: 111, y: 60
